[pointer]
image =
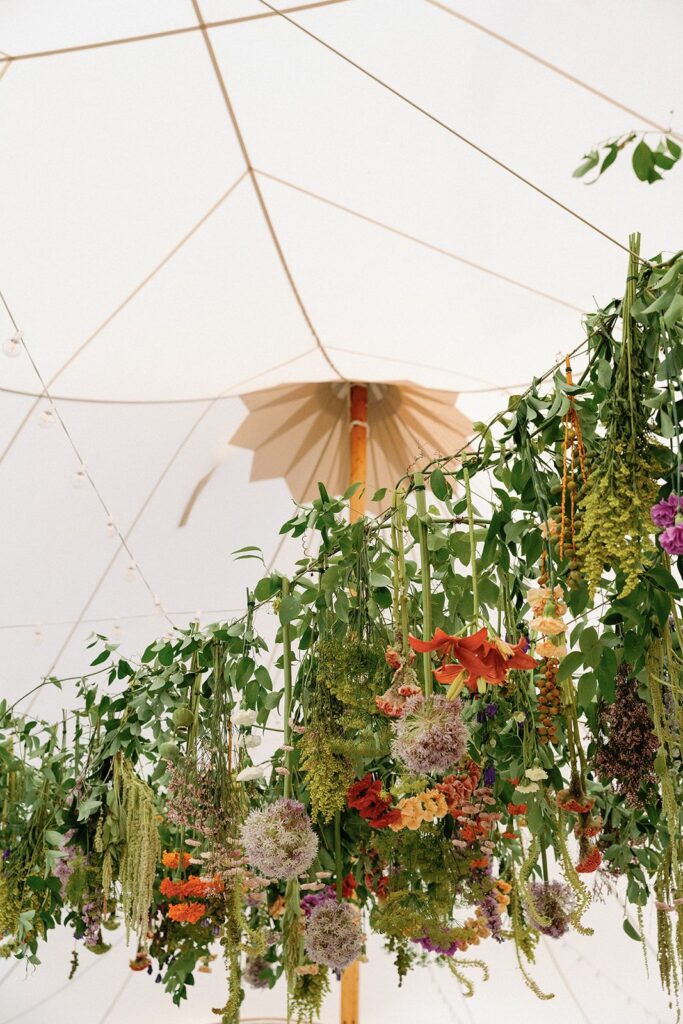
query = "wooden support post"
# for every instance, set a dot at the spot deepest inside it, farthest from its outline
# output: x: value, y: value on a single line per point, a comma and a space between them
x: 358, y: 452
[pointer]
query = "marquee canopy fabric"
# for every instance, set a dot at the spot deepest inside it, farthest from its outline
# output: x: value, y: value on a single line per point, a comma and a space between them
x: 190, y: 214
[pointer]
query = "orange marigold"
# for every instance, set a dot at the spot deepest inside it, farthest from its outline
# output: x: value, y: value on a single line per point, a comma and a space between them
x: 188, y: 913
x: 171, y: 859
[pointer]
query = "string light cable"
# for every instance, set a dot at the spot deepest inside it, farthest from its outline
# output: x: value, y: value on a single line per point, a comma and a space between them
x: 83, y: 470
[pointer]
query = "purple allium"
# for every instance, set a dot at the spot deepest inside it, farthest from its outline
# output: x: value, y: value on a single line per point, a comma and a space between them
x: 430, y: 737
x: 552, y: 902
x: 278, y: 840
x: 314, y: 899
x: 253, y: 972
x: 664, y: 512
x: 489, y: 775
x: 332, y: 935
x: 671, y: 539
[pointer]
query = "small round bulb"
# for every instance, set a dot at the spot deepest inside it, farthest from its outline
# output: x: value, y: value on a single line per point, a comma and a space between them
x: 130, y: 572
x: 79, y: 478
x: 46, y: 418
x: 38, y: 635
x: 12, y: 346
x: 111, y: 528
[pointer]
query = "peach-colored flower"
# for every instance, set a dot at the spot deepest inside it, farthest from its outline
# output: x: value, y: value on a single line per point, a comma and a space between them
x: 548, y: 625
x: 545, y: 648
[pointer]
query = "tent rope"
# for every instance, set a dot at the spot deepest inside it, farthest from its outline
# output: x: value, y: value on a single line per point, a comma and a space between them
x: 574, y: 79
x: 119, y: 309
x: 6, y: 59
x: 220, y: 78
x: 452, y: 131
x: 420, y: 241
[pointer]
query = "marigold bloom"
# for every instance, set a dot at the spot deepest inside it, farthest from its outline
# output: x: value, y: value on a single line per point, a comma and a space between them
x: 187, y: 913
x: 172, y: 859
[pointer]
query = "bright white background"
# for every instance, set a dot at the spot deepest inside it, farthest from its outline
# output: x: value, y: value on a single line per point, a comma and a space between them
x: 111, y: 157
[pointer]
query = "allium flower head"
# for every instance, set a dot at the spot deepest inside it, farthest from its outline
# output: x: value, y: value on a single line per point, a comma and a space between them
x: 333, y: 936
x: 430, y: 737
x: 552, y: 902
x: 254, y: 970
x: 278, y: 839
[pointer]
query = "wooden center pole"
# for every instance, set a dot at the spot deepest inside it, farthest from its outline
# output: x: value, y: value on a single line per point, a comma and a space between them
x: 358, y: 452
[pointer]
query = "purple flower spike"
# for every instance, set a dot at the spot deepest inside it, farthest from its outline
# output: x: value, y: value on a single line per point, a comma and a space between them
x: 489, y: 775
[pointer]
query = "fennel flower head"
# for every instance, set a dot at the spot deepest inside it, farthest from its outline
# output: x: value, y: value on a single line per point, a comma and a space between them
x: 333, y: 935
x: 278, y: 840
x: 430, y: 737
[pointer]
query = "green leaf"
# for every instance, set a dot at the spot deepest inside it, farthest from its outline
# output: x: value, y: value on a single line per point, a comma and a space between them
x: 53, y: 838
x: 586, y: 690
x: 643, y: 162
x: 630, y: 931
x: 569, y: 665
x: 290, y: 609
x: 441, y: 489
x: 590, y: 161
x: 379, y: 495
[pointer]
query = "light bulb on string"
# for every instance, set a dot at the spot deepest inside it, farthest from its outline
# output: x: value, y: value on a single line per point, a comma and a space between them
x: 130, y: 572
x: 12, y: 346
x: 46, y: 418
x: 37, y: 636
x: 158, y: 606
x: 118, y: 630
x: 79, y: 478
x: 111, y: 528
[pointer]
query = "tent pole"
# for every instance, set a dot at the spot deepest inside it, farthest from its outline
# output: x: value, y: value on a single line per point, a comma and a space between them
x: 358, y: 418
x: 358, y: 421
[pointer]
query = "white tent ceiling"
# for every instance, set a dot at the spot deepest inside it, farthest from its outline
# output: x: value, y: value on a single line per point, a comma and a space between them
x: 138, y: 263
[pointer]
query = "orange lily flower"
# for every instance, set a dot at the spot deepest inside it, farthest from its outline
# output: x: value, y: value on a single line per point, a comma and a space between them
x: 470, y: 658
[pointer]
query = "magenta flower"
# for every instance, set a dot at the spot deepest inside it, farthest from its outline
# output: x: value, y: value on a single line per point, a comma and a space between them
x: 664, y: 512
x: 671, y: 539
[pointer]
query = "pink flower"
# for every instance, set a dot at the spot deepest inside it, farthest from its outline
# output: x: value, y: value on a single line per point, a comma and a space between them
x: 671, y: 539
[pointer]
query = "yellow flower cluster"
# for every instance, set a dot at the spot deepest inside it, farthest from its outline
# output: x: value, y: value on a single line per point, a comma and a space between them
x: 426, y: 806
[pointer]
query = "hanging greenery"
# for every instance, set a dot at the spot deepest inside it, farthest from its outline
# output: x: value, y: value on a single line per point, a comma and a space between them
x: 480, y: 713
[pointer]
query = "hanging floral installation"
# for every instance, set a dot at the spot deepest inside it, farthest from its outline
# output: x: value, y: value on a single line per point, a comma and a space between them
x: 481, y: 708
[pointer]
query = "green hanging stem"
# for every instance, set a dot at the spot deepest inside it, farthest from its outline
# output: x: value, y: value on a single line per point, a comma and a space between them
x: 400, y: 568
x: 421, y: 502
x: 287, y: 671
x: 338, y: 866
x: 473, y: 549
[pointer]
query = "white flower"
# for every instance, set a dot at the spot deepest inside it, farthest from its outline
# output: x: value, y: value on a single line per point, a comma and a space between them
x: 252, y: 740
x: 519, y: 716
x: 254, y: 771
x: 536, y: 773
x: 244, y: 718
x: 531, y: 787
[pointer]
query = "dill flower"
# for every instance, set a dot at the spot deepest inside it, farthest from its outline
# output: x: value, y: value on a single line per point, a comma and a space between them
x: 332, y: 935
x: 550, y: 907
x: 430, y: 736
x: 278, y: 839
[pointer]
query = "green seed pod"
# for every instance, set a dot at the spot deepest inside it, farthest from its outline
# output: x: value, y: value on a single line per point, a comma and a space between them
x: 170, y: 751
x: 183, y: 718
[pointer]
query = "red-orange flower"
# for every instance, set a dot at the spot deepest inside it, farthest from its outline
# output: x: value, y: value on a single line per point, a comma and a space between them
x: 517, y: 809
x: 188, y: 913
x: 172, y: 859
x: 349, y: 886
x: 366, y: 797
x: 473, y: 657
x: 590, y: 862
